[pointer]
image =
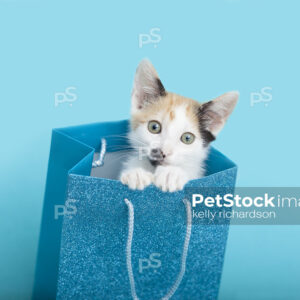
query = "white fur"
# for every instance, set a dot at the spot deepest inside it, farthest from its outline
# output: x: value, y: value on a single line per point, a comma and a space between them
x: 137, y: 178
x: 182, y: 163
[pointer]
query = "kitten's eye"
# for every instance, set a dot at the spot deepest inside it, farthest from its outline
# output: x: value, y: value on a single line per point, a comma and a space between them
x: 154, y: 127
x: 187, y: 138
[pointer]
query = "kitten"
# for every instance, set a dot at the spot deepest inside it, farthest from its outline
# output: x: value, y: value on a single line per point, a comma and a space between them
x: 171, y: 133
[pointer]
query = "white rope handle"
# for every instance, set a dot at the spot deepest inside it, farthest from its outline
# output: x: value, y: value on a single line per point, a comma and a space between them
x: 128, y: 248
x: 179, y: 278
x: 100, y: 161
x: 185, y: 250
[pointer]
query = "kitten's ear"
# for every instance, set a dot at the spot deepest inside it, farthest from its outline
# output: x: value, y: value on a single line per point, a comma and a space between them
x: 147, y: 86
x: 214, y: 114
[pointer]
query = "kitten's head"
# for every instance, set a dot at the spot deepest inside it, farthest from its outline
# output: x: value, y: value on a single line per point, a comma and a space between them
x: 171, y: 129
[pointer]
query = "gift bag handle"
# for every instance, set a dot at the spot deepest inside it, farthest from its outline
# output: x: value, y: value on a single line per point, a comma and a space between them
x: 100, y: 161
x: 176, y: 284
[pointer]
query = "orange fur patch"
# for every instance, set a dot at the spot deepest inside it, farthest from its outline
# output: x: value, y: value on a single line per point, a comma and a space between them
x: 166, y: 106
x: 172, y: 115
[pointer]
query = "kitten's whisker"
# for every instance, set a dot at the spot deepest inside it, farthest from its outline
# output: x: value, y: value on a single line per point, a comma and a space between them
x: 110, y: 162
x: 126, y: 137
x: 118, y: 158
x: 119, y: 147
x: 137, y: 140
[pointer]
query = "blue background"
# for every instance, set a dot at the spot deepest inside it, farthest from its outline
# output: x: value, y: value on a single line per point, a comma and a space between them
x: 206, y: 48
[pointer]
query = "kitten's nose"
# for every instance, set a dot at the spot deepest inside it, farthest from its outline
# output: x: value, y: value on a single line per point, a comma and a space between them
x: 157, y: 154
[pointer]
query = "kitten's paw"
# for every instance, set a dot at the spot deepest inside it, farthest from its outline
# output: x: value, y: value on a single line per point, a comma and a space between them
x: 136, y: 179
x: 170, y: 179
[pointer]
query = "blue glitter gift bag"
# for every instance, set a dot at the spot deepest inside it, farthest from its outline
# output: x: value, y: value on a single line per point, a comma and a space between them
x: 100, y: 240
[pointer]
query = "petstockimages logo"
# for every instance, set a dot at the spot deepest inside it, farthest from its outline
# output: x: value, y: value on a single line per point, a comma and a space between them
x: 257, y: 206
x: 230, y: 200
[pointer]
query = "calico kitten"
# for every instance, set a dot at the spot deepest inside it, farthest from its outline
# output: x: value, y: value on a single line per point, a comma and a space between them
x: 171, y: 133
